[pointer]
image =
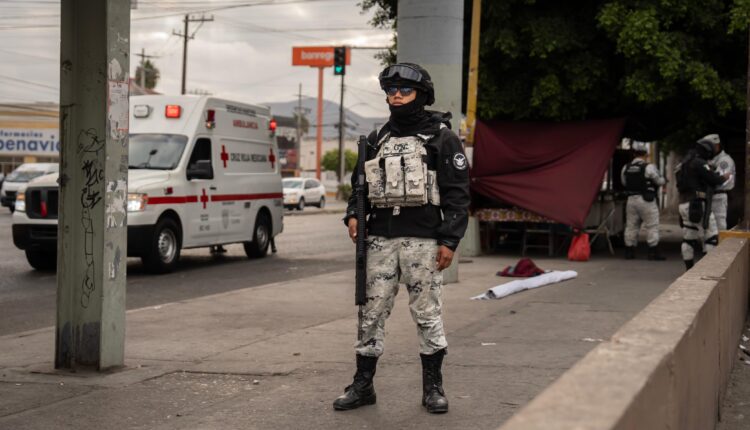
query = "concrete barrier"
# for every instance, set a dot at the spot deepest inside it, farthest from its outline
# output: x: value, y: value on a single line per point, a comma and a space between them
x: 667, y: 368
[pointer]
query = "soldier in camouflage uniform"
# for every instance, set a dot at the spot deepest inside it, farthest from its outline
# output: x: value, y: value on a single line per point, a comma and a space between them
x: 642, y: 181
x: 724, y: 165
x: 418, y: 197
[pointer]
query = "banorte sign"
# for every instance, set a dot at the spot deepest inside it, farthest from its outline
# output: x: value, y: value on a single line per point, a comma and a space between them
x: 315, y: 56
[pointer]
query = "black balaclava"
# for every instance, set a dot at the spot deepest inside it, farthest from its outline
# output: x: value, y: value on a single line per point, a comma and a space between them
x: 410, y: 118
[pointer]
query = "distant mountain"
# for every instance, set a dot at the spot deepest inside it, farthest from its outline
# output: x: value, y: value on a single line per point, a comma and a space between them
x: 355, y: 124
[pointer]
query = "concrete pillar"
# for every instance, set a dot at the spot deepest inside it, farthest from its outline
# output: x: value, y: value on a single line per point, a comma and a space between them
x: 430, y: 33
x: 92, y: 242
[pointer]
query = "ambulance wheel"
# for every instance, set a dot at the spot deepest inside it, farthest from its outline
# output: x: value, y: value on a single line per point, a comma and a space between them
x: 322, y: 202
x: 41, y: 260
x: 258, y: 248
x: 301, y: 204
x: 164, y: 250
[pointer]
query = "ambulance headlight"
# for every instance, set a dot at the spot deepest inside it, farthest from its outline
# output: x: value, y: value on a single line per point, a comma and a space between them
x: 137, y: 202
x: 21, y: 202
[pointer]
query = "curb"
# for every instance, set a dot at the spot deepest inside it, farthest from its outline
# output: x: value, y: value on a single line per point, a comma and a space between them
x: 317, y: 212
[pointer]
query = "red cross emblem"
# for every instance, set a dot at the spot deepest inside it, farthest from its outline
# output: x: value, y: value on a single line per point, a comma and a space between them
x: 271, y: 158
x: 224, y: 155
x: 204, y: 198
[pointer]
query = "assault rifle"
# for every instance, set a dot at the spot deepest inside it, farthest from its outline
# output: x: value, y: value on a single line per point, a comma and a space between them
x: 360, y: 294
x: 708, y: 209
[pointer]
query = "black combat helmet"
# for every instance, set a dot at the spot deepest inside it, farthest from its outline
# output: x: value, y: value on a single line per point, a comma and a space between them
x: 408, y: 74
x: 705, y: 148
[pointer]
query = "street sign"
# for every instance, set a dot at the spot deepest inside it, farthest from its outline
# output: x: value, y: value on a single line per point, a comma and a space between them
x: 315, y: 56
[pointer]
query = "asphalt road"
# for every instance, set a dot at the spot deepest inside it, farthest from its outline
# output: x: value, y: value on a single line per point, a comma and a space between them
x: 310, y: 245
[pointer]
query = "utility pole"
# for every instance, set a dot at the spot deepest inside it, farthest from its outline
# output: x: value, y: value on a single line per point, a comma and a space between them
x: 143, y: 66
x: 342, y: 158
x: 185, y: 36
x: 299, y: 118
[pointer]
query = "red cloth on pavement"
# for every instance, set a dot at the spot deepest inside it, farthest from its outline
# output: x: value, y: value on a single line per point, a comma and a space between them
x: 552, y: 169
x: 525, y: 268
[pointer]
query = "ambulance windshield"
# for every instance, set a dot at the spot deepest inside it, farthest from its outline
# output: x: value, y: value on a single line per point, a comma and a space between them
x: 156, y: 151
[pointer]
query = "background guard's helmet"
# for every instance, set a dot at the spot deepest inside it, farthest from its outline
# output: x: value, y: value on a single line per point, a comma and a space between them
x: 705, y: 148
x: 640, y: 147
x: 408, y: 74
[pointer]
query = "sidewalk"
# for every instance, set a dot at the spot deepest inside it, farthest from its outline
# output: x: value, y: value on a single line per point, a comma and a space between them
x: 274, y: 357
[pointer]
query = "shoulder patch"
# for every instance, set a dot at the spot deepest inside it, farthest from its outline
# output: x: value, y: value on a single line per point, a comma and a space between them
x: 459, y: 161
x: 724, y: 165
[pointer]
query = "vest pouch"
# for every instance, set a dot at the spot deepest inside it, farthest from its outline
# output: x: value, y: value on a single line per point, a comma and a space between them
x: 394, y: 178
x: 649, y: 196
x: 695, y: 211
x: 433, y: 192
x: 415, y: 179
x: 375, y: 181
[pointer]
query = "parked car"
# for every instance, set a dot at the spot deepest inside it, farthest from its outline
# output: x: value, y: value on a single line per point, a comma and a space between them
x: 23, y: 174
x: 300, y: 192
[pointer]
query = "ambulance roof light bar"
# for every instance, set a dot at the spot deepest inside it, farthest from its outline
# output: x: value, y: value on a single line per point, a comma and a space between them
x: 173, y: 111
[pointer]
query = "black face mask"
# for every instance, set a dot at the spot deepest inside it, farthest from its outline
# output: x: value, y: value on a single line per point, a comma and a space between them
x: 410, y: 118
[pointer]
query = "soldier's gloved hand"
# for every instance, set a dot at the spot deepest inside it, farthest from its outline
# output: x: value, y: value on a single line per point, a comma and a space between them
x: 444, y: 257
x: 353, y: 229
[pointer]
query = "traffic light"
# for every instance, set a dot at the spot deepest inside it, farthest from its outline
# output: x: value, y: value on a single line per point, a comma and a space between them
x: 339, y: 60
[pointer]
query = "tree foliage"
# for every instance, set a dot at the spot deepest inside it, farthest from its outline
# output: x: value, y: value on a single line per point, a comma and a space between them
x: 330, y: 160
x: 152, y: 74
x: 675, y: 68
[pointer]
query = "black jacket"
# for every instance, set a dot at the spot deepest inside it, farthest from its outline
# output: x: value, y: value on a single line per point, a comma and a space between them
x: 697, y: 176
x: 446, y: 223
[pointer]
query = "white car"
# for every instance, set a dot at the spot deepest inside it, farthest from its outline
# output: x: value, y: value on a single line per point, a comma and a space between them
x: 23, y: 174
x: 300, y: 192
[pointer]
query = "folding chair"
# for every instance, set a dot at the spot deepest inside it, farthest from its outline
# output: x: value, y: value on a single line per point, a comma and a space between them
x: 603, y: 229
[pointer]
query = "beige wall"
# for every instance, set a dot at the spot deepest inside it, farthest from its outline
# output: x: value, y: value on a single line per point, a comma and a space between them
x: 667, y: 368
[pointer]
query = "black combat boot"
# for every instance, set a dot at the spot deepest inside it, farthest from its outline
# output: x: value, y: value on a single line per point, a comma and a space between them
x: 654, y: 254
x: 630, y: 252
x: 689, y: 264
x: 361, y: 392
x: 433, y: 395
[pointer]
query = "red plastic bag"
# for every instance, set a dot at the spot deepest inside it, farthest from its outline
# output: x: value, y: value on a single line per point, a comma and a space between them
x: 580, y: 249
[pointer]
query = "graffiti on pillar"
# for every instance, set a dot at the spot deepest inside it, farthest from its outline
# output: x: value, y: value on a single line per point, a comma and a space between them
x: 89, y: 145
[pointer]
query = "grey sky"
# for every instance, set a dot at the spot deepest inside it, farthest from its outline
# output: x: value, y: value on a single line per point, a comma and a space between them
x: 244, y: 54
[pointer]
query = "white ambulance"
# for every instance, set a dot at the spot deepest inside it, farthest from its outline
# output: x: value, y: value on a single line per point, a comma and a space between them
x: 203, y: 172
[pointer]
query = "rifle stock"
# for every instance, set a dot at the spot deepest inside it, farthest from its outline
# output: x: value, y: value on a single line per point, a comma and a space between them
x: 361, y: 260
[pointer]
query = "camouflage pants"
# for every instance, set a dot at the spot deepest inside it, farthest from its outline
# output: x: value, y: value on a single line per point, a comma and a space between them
x: 694, y: 237
x: 411, y: 261
x: 637, y: 212
x: 719, y: 208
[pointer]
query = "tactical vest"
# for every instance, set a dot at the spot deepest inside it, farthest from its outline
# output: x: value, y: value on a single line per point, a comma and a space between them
x: 637, y: 183
x: 398, y: 176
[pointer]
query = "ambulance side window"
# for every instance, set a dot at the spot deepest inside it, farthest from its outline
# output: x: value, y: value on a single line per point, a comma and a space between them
x: 201, y: 152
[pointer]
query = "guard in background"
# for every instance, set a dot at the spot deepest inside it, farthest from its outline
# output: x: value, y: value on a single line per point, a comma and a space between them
x: 696, y: 181
x: 723, y: 164
x: 642, y: 181
x: 417, y: 200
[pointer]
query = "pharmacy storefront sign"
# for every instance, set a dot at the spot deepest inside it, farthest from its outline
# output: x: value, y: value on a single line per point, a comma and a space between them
x: 22, y: 141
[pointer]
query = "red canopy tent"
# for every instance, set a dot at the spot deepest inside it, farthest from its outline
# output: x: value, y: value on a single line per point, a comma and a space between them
x: 552, y: 169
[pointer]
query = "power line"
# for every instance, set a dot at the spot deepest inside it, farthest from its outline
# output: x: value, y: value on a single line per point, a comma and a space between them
x: 23, y: 81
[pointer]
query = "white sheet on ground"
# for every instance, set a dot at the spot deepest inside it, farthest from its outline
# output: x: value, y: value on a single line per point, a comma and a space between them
x: 526, y: 284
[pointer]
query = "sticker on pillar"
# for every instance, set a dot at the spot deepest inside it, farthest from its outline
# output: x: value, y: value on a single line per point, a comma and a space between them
x: 116, y: 204
x: 117, y: 102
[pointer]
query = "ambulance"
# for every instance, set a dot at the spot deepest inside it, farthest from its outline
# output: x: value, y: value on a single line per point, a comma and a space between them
x: 203, y: 172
